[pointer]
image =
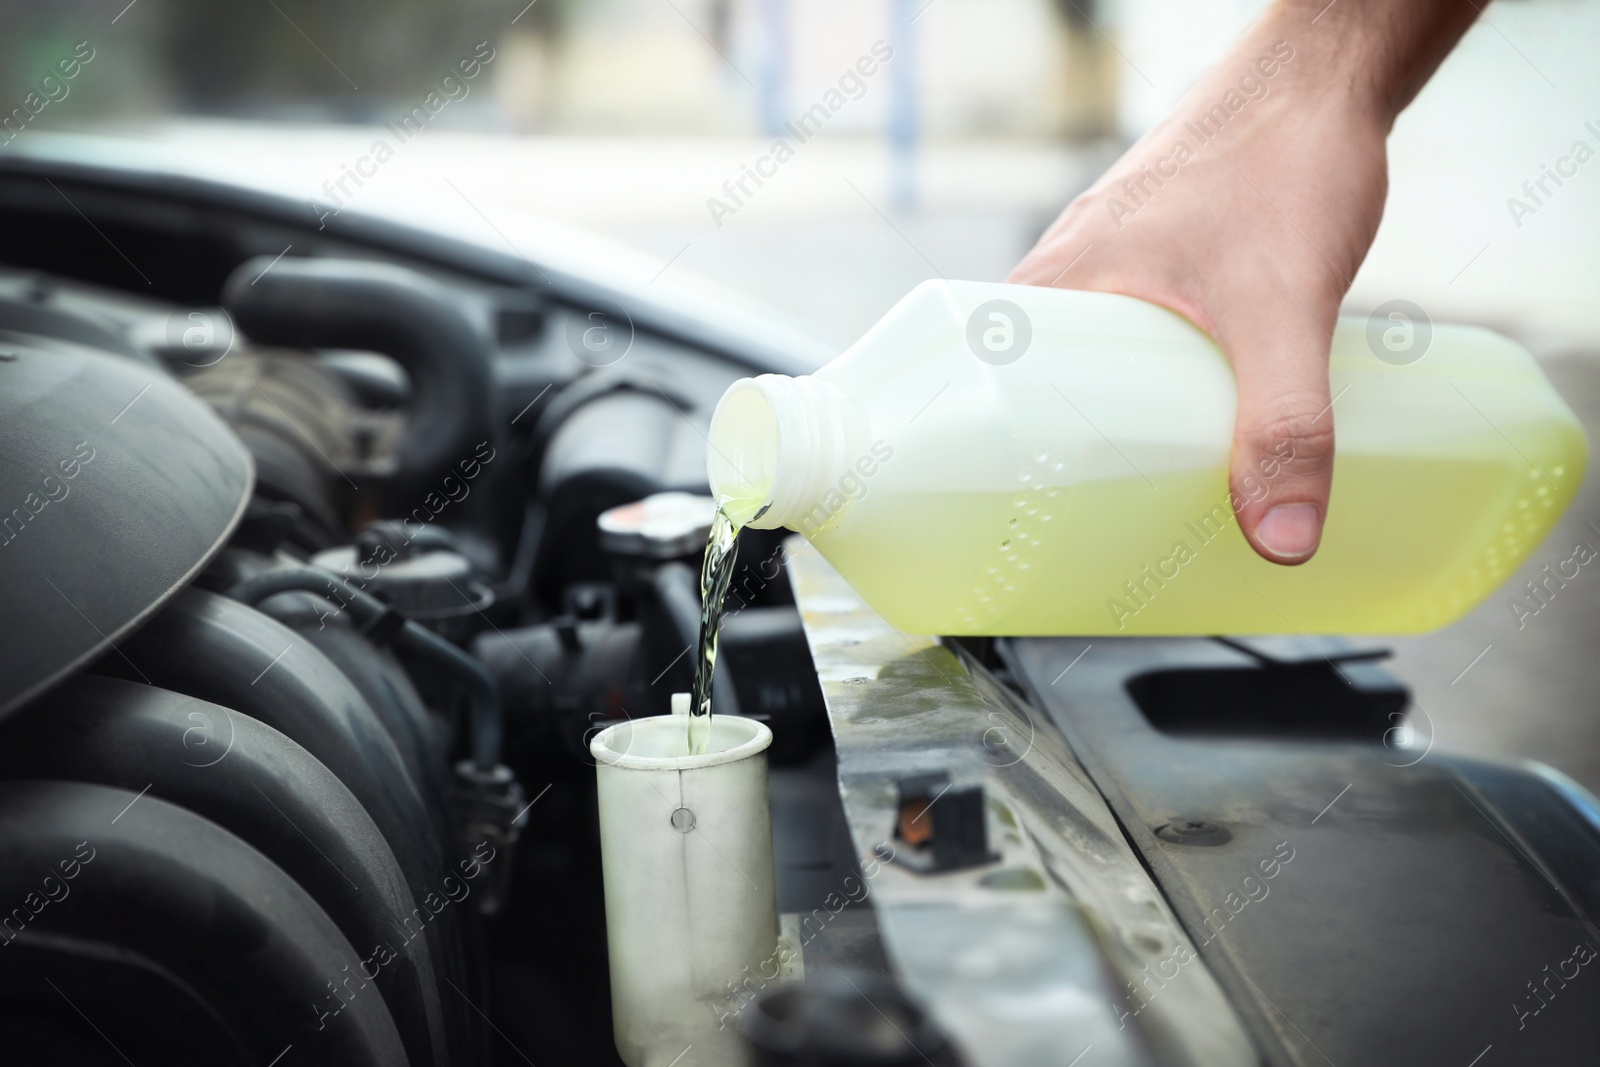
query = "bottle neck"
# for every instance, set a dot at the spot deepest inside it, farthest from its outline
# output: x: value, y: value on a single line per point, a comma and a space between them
x: 778, y: 445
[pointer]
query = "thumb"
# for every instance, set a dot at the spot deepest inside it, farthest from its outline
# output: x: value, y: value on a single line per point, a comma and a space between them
x: 1282, y: 468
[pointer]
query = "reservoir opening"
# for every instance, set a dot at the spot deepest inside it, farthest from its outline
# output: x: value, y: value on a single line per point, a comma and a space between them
x: 660, y: 743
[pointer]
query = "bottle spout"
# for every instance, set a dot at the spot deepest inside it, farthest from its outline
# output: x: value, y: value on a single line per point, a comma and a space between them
x: 777, y: 444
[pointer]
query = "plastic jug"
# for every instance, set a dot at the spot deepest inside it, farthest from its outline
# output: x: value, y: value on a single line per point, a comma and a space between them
x: 999, y: 459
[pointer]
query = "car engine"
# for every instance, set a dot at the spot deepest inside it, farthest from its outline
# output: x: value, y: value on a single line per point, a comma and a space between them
x: 312, y: 619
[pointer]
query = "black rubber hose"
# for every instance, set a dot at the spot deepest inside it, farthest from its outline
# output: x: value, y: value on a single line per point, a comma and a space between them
x: 483, y: 694
x: 377, y: 307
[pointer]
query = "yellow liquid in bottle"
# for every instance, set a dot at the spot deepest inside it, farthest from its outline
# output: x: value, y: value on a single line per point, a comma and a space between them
x: 1410, y: 545
x: 1082, y: 487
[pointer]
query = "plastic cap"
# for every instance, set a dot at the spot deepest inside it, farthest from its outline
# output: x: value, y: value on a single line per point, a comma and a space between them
x: 662, y: 526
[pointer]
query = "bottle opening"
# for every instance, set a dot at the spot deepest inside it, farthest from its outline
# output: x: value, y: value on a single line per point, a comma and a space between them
x: 777, y: 445
x: 742, y: 461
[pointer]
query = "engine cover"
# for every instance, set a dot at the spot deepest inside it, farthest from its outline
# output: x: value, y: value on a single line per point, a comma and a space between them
x: 116, y: 486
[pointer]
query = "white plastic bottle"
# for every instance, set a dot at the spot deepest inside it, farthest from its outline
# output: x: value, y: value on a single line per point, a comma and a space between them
x: 998, y: 459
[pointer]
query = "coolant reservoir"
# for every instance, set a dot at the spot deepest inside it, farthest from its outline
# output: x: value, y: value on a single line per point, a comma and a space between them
x: 999, y: 459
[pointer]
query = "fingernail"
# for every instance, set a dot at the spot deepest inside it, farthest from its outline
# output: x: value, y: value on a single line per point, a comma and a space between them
x: 1290, y: 530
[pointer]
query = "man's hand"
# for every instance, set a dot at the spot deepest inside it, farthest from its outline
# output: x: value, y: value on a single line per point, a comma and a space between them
x: 1248, y: 211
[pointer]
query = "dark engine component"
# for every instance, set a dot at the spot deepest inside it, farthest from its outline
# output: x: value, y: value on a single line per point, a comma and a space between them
x: 278, y: 403
x: 426, y: 577
x: 107, y: 877
x: 297, y: 606
x: 591, y: 665
x: 32, y: 318
x: 205, y: 646
x: 564, y: 680
x: 843, y: 1021
x: 197, y: 647
x: 774, y: 678
x: 613, y: 439
x: 252, y: 781
x: 116, y: 487
x: 375, y: 307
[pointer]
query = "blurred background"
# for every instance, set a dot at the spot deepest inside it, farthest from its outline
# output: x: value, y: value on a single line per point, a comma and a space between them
x: 635, y: 120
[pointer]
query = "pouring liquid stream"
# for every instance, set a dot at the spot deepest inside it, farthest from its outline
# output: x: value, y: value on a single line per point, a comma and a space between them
x: 722, y: 553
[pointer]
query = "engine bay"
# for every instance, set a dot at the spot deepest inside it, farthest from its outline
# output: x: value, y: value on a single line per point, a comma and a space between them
x: 328, y: 551
x: 340, y: 513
